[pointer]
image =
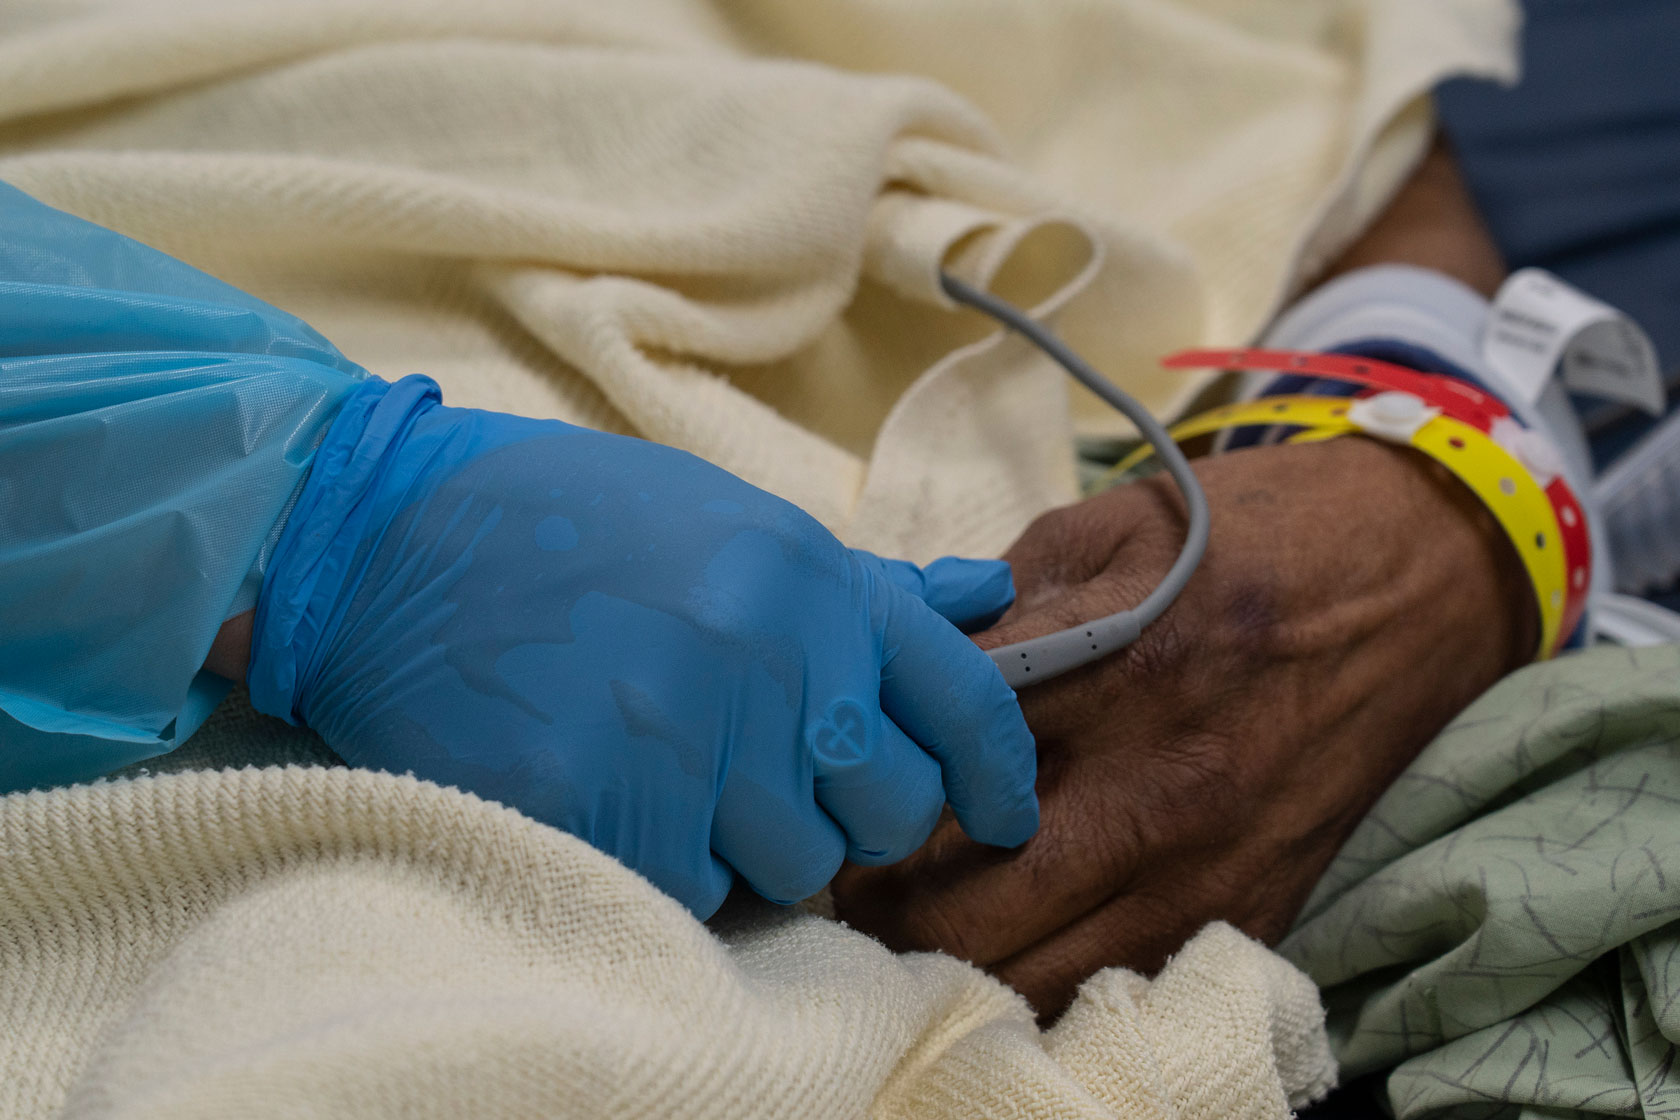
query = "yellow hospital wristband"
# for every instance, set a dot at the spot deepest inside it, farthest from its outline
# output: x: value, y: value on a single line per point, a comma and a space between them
x: 1524, y: 510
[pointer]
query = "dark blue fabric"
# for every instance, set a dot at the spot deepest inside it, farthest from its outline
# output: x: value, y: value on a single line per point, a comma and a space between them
x: 1577, y: 169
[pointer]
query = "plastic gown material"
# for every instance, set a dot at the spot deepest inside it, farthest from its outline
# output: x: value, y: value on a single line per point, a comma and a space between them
x: 154, y: 425
x: 621, y: 639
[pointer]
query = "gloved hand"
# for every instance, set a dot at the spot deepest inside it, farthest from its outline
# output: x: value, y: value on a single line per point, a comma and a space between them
x: 629, y: 643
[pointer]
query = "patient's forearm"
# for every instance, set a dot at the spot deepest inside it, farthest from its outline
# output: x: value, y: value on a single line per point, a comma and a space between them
x: 1432, y: 223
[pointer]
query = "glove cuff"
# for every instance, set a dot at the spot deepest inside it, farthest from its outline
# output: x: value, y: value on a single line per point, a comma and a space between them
x: 317, y: 553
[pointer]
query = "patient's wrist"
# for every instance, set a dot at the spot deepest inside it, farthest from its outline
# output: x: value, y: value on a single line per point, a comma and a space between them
x: 230, y: 653
x: 1499, y: 588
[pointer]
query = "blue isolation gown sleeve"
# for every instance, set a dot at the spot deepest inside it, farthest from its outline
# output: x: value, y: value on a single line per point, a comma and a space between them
x: 155, y: 424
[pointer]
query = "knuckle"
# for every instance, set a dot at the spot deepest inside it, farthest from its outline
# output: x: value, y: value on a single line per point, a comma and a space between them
x: 705, y: 899
x: 1056, y: 545
x: 819, y: 873
x: 898, y: 839
x: 1184, y: 791
x: 917, y: 906
x: 884, y: 854
x: 937, y: 926
x: 799, y: 868
x: 1053, y: 523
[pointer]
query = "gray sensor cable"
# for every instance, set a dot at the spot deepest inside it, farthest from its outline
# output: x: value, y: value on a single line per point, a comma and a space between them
x: 1039, y: 659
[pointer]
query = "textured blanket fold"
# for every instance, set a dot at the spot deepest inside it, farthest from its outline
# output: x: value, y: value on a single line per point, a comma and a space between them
x: 314, y: 942
x: 718, y: 225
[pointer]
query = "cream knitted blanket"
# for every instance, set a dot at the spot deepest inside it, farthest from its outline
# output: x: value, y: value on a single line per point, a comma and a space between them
x: 718, y: 225
x: 626, y: 214
x: 296, y: 942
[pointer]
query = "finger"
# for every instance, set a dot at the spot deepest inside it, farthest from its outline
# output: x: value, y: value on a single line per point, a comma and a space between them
x: 1136, y: 931
x: 701, y: 887
x: 1060, y: 607
x: 1102, y: 817
x: 949, y: 697
x: 984, y: 905
x: 880, y: 787
x: 779, y: 840
x: 970, y: 594
x: 976, y: 903
x: 1075, y: 544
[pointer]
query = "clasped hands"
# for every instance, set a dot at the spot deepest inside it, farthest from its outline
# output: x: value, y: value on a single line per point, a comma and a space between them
x: 1354, y: 597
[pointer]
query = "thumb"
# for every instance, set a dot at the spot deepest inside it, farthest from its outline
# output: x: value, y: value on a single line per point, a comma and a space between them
x: 970, y: 594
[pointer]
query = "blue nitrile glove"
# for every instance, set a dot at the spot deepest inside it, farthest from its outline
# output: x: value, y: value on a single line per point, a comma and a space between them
x: 627, y: 642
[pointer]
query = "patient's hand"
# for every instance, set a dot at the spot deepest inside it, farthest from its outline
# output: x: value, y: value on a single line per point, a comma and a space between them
x: 1353, y: 599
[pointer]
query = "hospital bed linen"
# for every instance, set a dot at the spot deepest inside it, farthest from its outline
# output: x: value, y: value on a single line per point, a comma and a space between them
x: 328, y: 942
x: 719, y: 225
x: 1502, y: 926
